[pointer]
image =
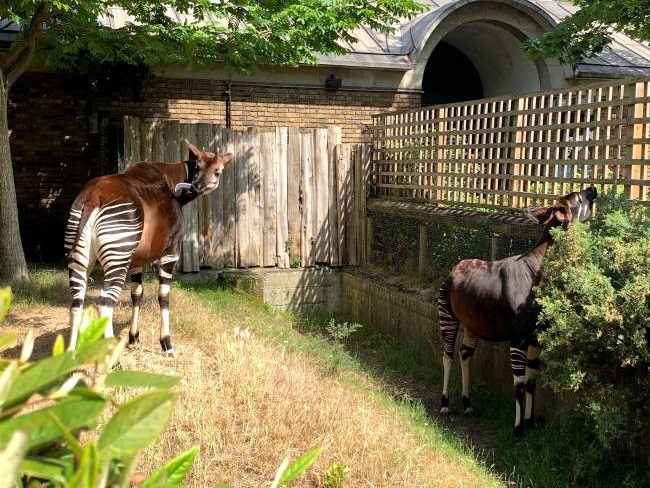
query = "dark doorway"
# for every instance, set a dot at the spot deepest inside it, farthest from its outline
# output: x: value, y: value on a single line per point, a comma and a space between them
x: 450, y: 77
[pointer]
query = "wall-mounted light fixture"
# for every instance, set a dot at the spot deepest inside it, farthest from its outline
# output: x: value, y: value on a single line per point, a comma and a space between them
x: 332, y: 82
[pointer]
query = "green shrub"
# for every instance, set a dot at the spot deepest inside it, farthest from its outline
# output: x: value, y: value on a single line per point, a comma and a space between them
x: 595, y: 302
x: 45, y: 404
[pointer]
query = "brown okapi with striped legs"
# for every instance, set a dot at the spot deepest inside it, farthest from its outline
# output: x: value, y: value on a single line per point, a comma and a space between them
x: 493, y: 300
x: 129, y: 220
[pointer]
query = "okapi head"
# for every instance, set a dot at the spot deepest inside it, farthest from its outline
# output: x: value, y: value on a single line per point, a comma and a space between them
x: 577, y: 205
x: 204, y: 169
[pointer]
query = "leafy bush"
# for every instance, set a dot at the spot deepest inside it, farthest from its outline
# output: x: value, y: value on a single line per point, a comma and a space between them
x: 45, y: 404
x: 595, y: 301
x: 341, y: 331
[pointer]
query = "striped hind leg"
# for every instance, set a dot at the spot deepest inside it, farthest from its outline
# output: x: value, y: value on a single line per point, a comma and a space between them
x: 118, y: 229
x: 165, y: 274
x: 449, y: 326
x: 81, y: 259
x: 532, y: 369
x: 519, y: 359
x: 467, y: 350
x: 137, y: 290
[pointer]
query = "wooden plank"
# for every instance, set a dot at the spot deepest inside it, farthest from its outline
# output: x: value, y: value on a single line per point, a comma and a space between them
x: 147, y: 129
x: 281, y: 141
x: 218, y: 143
x: 205, y: 205
x: 255, y: 202
x: 307, y: 191
x: 269, y: 193
x: 229, y: 207
x: 321, y: 197
x: 158, y: 142
x: 294, y: 206
x: 333, y: 141
x: 344, y: 184
x: 172, y: 143
x: 242, y: 161
x: 190, y: 247
x: 131, y: 142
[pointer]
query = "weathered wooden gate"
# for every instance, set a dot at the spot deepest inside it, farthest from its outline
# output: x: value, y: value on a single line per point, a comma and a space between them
x: 291, y: 198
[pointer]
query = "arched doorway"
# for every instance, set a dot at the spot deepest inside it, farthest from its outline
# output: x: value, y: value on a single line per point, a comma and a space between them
x: 471, y: 49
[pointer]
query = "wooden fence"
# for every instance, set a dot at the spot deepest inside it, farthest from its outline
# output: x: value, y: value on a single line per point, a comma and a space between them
x: 291, y: 197
x: 513, y: 152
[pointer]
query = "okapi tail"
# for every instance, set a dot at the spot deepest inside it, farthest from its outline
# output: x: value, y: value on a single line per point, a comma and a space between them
x: 449, y: 324
x: 79, y: 214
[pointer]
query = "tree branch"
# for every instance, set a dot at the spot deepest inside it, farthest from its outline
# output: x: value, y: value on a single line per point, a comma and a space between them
x: 16, y: 60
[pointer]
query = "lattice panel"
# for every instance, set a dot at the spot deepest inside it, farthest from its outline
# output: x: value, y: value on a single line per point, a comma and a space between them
x: 513, y: 152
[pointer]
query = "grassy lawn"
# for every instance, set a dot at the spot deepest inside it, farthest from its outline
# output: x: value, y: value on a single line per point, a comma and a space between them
x: 259, y: 385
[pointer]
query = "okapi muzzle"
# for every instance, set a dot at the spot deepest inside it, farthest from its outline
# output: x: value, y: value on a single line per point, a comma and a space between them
x: 128, y: 220
x: 493, y: 301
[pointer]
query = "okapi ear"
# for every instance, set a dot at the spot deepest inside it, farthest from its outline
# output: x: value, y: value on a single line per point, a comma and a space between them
x: 194, y: 153
x: 227, y: 158
x: 540, y: 215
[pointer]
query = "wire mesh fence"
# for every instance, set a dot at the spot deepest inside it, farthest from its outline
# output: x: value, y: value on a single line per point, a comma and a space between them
x: 420, y: 250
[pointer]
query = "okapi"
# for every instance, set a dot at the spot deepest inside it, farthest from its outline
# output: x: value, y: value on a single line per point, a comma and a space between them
x: 128, y: 220
x: 493, y: 300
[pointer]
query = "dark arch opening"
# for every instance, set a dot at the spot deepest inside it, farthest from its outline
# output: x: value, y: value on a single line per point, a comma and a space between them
x: 450, y: 77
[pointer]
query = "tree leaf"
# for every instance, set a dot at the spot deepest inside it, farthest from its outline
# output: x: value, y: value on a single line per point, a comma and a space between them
x: 44, y: 468
x: 137, y: 423
x: 11, y: 457
x: 299, y: 466
x: 59, y: 346
x: 174, y: 471
x: 140, y: 379
x: 74, y: 414
x: 93, y: 332
x: 5, y: 301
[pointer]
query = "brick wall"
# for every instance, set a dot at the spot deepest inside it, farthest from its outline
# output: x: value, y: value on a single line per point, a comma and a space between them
x: 51, y: 154
x: 54, y: 152
x: 265, y: 106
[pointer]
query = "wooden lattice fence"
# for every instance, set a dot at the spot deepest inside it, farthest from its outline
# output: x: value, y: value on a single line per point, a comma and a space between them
x: 513, y: 152
x: 291, y: 198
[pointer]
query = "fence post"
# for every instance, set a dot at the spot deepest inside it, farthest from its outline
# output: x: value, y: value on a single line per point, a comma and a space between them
x: 424, y: 263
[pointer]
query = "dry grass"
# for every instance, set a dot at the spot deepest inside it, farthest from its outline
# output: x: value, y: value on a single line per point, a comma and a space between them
x: 250, y: 400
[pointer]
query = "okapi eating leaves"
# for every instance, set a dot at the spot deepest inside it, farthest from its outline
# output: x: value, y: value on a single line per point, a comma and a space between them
x: 131, y: 219
x: 493, y: 300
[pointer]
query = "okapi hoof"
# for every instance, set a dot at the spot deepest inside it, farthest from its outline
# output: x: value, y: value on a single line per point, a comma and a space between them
x: 166, y: 344
x: 134, y: 339
x: 444, y: 402
x: 467, y: 406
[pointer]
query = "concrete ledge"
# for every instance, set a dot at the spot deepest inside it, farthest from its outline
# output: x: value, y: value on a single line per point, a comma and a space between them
x: 312, y: 289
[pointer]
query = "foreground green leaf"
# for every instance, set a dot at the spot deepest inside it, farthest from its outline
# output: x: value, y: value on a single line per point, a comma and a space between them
x: 137, y: 423
x: 43, y: 468
x: 11, y: 457
x: 140, y: 379
x: 7, y: 339
x: 47, y: 372
x: 299, y: 466
x: 174, y: 471
x: 93, y: 332
x: 5, y: 301
x: 74, y: 414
